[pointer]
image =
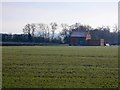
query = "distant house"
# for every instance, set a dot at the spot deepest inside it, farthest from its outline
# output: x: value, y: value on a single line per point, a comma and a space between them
x: 78, y: 38
x: 82, y: 38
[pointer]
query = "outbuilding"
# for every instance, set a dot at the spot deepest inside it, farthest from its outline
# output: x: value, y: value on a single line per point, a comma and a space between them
x: 83, y: 38
x: 78, y: 38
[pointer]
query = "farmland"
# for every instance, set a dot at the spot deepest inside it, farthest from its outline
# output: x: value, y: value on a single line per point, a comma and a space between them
x: 59, y: 67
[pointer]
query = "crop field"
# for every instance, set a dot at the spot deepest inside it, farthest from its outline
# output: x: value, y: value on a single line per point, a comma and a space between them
x: 59, y: 67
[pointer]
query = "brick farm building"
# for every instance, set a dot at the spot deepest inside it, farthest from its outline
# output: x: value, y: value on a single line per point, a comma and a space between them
x: 81, y: 38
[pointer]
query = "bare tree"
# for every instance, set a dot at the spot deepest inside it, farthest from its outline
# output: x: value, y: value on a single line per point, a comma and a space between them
x: 115, y: 28
x: 27, y: 29
x: 41, y: 30
x: 65, y: 30
x: 33, y: 29
x: 54, y: 27
x: 47, y: 30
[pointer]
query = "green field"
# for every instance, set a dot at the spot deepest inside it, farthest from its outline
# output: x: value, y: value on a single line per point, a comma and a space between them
x: 59, y: 67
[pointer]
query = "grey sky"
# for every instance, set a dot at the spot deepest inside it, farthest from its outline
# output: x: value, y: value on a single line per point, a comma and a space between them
x: 16, y: 15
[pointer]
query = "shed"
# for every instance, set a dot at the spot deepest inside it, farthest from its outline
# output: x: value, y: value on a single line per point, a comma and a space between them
x: 78, y: 38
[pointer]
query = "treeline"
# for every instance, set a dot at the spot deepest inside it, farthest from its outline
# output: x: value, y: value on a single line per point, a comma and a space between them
x: 43, y: 33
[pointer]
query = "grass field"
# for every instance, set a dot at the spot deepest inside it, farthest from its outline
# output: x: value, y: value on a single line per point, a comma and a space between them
x: 60, y: 67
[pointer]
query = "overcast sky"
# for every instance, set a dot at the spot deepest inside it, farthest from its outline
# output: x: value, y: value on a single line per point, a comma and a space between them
x: 16, y: 14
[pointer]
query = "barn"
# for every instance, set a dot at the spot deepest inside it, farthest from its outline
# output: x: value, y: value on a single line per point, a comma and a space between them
x: 78, y: 38
x: 82, y: 38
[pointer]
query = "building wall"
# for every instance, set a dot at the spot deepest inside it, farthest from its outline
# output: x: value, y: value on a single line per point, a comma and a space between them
x: 78, y: 41
x: 102, y: 43
x: 93, y: 42
x: 85, y: 41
